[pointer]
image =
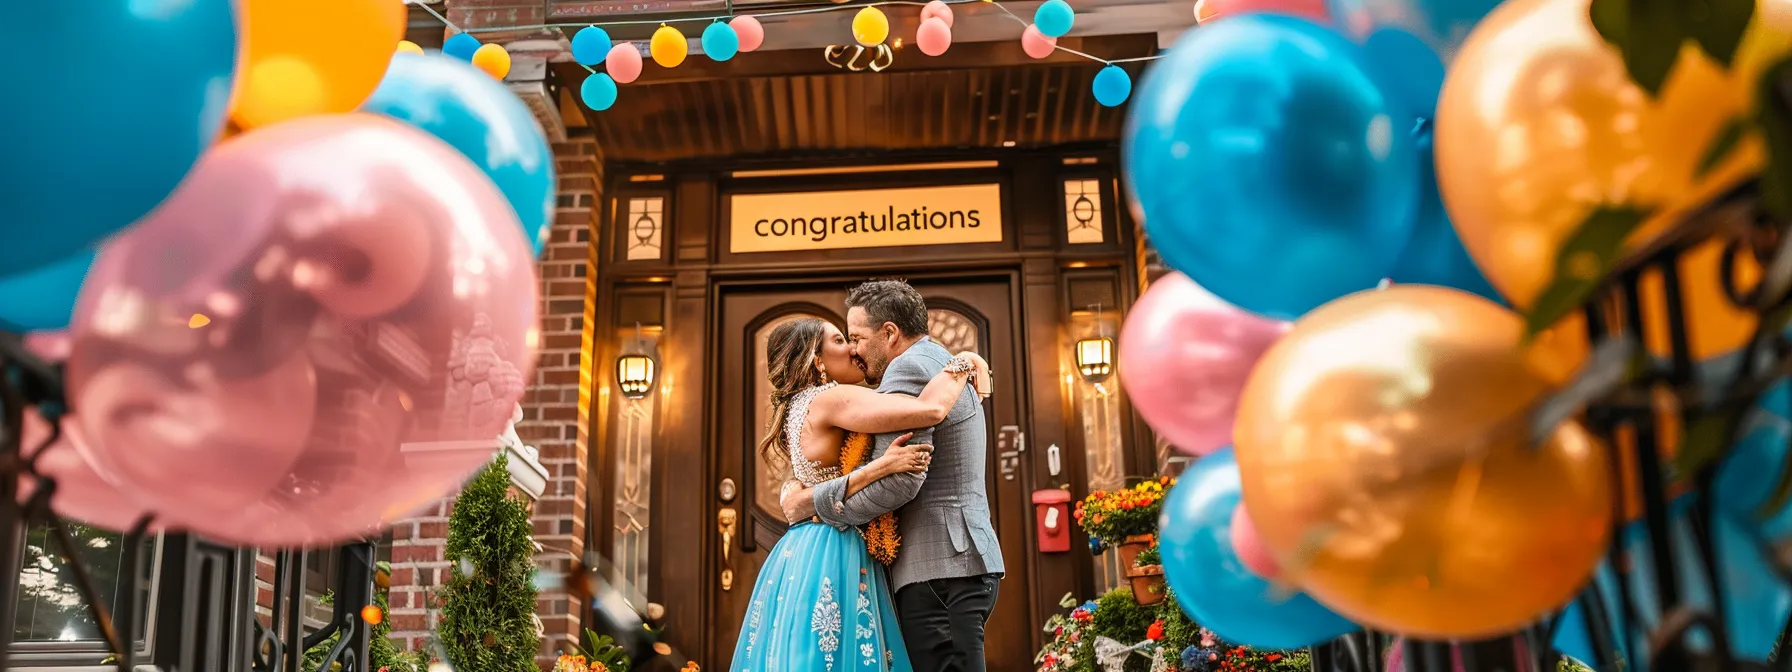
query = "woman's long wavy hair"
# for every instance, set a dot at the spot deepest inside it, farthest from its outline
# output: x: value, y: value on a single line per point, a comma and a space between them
x: 790, y: 353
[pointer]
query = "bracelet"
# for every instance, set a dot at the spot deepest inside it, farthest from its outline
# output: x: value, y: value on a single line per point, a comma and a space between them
x: 960, y: 365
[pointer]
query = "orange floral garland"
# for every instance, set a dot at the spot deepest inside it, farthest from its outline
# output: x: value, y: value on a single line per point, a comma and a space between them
x: 880, y: 535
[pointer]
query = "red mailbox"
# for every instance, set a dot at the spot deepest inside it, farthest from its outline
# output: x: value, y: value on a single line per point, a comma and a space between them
x: 1051, y: 520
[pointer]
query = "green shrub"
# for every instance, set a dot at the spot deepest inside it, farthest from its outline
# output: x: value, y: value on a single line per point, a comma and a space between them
x: 488, y: 602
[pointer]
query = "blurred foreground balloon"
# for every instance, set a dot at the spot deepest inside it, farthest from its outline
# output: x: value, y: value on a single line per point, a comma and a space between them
x: 1249, y: 546
x: 66, y: 133
x: 1441, y: 24
x: 304, y: 58
x: 1521, y: 654
x: 1209, y: 582
x: 1264, y: 160
x: 1312, y: 10
x: 81, y: 493
x: 1184, y: 358
x: 1539, y: 122
x: 1756, y: 602
x: 485, y: 121
x: 1385, y: 444
x: 42, y: 298
x: 346, y: 349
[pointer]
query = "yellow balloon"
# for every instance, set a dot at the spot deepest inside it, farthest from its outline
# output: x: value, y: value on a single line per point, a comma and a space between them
x: 1539, y: 123
x: 668, y: 47
x: 493, y: 59
x: 409, y: 47
x: 309, y: 58
x: 870, y: 27
x: 1384, y: 448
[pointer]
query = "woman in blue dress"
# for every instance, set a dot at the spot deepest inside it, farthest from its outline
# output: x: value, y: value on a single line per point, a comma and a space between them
x: 821, y: 603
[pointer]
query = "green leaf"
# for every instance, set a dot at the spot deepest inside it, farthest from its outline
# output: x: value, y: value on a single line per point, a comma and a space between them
x: 1704, y: 441
x: 1775, y: 119
x: 1611, y: 18
x: 1652, y: 38
x: 1727, y: 139
x: 1718, y: 26
x: 1585, y: 259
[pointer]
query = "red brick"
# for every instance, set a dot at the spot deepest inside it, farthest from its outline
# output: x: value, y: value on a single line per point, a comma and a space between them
x: 409, y: 622
x: 432, y: 530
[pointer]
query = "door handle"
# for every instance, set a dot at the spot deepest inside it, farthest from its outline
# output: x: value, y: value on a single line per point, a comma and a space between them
x: 725, y: 521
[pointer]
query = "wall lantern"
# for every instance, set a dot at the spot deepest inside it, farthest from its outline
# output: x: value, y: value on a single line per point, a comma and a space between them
x: 635, y: 369
x: 1095, y: 358
x: 1095, y: 355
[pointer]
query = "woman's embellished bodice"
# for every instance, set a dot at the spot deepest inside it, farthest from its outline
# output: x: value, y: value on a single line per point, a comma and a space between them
x: 809, y: 472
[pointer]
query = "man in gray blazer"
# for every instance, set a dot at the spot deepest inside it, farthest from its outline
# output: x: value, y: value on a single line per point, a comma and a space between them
x: 947, y: 570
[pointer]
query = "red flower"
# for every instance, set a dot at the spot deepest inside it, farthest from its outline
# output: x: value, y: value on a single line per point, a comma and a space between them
x: 1156, y: 631
x: 1273, y: 657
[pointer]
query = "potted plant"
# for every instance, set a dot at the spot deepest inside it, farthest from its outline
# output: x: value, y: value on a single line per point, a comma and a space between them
x: 1147, y: 576
x: 1125, y: 519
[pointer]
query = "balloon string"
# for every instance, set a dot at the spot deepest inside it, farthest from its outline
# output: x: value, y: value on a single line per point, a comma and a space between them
x: 787, y: 12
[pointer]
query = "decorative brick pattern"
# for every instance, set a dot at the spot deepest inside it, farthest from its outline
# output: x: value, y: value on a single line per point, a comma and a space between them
x: 554, y: 421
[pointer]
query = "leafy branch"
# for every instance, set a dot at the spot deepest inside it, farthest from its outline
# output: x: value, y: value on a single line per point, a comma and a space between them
x: 1649, y: 34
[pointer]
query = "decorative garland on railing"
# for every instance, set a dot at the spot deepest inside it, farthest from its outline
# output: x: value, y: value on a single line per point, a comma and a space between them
x: 729, y: 34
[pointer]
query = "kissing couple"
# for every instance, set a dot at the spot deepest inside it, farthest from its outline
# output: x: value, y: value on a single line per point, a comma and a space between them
x: 901, y: 467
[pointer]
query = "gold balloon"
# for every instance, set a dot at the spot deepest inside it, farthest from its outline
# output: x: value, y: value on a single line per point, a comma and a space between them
x: 1539, y: 123
x: 1384, y: 450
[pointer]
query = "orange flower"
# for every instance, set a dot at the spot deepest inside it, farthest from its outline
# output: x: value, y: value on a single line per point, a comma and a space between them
x: 1156, y: 631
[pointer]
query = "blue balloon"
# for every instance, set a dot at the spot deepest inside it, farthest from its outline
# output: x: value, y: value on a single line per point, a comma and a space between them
x: 461, y: 46
x: 591, y: 45
x: 1112, y: 86
x: 1054, y: 18
x: 1745, y: 481
x: 720, y: 41
x: 1208, y: 580
x: 1756, y: 601
x: 598, y: 91
x: 132, y: 134
x: 474, y: 113
x: 1268, y: 167
x: 43, y: 298
x: 1442, y: 24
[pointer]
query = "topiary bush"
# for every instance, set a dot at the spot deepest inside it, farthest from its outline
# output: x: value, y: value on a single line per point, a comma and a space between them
x: 488, y: 601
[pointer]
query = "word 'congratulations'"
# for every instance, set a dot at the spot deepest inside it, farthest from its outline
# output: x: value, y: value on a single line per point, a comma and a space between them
x: 819, y: 228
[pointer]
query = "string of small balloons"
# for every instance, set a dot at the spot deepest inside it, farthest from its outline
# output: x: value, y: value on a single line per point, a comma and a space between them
x: 731, y: 34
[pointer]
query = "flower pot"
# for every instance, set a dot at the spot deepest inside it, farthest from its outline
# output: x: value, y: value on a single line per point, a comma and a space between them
x: 1131, y: 547
x: 1147, y: 584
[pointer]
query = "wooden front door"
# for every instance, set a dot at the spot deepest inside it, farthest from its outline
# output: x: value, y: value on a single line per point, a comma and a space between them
x: 975, y: 315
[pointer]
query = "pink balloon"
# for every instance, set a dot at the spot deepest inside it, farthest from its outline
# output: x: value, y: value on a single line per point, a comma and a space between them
x: 937, y: 9
x: 260, y: 359
x: 1184, y: 358
x: 1313, y: 10
x: 624, y: 61
x: 1036, y: 44
x: 747, y: 28
x: 50, y: 345
x: 81, y: 493
x: 1250, y: 548
x: 934, y: 36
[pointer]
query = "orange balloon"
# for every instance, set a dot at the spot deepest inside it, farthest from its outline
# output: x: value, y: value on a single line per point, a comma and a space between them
x: 493, y: 59
x: 308, y: 58
x: 1539, y: 123
x: 1385, y: 453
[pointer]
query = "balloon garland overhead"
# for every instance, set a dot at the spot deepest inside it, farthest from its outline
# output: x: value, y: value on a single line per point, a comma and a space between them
x: 725, y: 36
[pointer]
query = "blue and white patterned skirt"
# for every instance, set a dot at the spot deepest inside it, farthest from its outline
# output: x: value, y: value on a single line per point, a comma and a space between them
x: 820, y: 604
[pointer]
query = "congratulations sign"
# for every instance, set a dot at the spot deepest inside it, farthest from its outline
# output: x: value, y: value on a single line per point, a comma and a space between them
x: 831, y: 220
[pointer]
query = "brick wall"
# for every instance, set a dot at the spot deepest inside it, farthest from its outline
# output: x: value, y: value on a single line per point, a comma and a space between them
x: 553, y: 421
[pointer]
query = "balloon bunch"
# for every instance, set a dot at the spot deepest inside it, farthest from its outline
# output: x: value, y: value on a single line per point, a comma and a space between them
x: 1374, y: 452
x: 265, y: 329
